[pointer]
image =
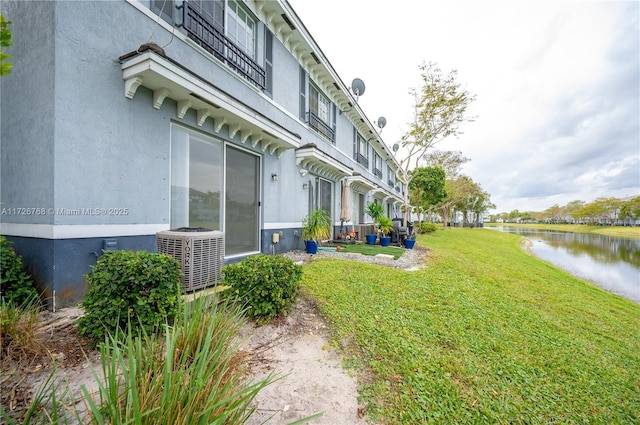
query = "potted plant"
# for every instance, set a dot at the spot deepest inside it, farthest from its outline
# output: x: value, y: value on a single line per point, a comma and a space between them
x: 410, y: 240
x: 385, y: 225
x: 374, y: 211
x: 316, y: 226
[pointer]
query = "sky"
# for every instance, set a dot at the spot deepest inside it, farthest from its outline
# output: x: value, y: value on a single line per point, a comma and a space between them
x: 557, y: 86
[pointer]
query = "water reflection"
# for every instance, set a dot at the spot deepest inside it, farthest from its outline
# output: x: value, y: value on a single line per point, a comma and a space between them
x: 613, y: 263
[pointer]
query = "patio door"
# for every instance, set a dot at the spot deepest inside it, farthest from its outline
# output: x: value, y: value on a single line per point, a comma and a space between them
x: 242, y: 202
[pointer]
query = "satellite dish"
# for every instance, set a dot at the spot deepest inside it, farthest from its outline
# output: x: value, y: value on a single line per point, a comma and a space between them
x: 395, y: 147
x: 357, y: 86
x: 382, y: 121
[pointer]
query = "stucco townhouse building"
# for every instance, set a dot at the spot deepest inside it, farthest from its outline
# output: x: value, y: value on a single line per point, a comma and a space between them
x: 126, y: 118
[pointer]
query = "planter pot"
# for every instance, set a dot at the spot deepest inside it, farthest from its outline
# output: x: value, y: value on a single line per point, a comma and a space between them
x: 385, y: 240
x: 409, y: 243
x: 312, y: 246
x: 371, y: 239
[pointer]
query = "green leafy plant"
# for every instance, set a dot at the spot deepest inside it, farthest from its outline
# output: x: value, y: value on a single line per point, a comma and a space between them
x: 129, y: 285
x: 375, y: 211
x: 385, y: 225
x: 5, y: 41
x: 427, y: 228
x: 316, y: 226
x: 16, y: 285
x: 267, y: 284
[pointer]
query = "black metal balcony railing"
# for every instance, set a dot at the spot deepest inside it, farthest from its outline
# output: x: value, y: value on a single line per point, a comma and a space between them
x: 321, y: 127
x: 362, y: 160
x: 377, y: 173
x: 391, y: 183
x: 203, y: 32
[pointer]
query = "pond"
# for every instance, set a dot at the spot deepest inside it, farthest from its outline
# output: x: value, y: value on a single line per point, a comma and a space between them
x: 613, y: 263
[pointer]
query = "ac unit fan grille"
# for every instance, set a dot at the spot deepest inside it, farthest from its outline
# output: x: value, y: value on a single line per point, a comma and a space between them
x: 200, y: 254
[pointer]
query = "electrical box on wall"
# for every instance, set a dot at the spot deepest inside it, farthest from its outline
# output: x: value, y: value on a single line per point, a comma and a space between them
x: 275, y: 238
x: 110, y: 244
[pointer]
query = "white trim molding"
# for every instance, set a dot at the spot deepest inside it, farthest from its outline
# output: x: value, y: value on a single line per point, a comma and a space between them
x: 66, y: 231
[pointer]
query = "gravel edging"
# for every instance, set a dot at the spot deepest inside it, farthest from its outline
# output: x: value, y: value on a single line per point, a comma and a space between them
x: 411, y: 259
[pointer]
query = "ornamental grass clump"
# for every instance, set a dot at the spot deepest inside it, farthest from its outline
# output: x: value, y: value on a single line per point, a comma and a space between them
x: 192, y: 374
x: 266, y: 284
x: 129, y: 286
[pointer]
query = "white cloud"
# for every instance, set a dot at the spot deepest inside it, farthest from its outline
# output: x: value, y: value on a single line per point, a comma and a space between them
x: 557, y: 85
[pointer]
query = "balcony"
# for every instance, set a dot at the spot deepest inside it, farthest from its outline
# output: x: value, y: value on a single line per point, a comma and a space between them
x: 377, y: 173
x: 391, y: 183
x: 215, y: 42
x: 321, y: 127
x: 362, y: 160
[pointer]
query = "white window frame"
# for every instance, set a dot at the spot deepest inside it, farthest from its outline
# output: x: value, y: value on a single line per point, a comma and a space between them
x: 233, y: 10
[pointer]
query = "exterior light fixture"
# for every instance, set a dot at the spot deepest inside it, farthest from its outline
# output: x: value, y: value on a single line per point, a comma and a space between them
x: 303, y: 172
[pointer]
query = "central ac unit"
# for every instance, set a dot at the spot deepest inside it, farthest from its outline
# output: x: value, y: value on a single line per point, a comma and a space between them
x: 200, y: 254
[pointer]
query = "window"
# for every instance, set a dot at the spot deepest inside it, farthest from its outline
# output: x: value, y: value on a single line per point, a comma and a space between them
x: 325, y: 195
x: 227, y: 30
x: 211, y: 10
x: 360, y: 149
x: 199, y: 198
x: 196, y: 180
x: 240, y: 28
x: 377, y: 165
x: 303, y: 94
x: 391, y: 176
x: 164, y: 8
x: 321, y: 113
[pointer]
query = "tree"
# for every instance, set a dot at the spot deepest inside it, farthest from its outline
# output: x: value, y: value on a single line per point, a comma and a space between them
x: 480, y: 204
x: 514, y: 215
x: 427, y: 187
x: 440, y: 108
x: 630, y: 210
x: 5, y: 41
x: 554, y: 213
x: 572, y: 208
x: 458, y: 191
x: 449, y: 161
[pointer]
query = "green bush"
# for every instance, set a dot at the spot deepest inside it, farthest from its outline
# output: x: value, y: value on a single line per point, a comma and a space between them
x: 427, y: 228
x: 267, y: 284
x: 16, y: 285
x: 128, y: 285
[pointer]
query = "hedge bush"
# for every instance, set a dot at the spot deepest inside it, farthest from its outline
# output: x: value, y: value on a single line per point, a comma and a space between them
x: 129, y: 285
x: 266, y: 284
x: 427, y: 227
x: 16, y: 285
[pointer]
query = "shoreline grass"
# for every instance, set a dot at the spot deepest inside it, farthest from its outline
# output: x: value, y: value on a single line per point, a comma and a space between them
x: 485, y: 334
x: 618, y: 231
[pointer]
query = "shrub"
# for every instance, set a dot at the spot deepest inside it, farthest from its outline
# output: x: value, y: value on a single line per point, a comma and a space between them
x: 268, y: 284
x: 16, y: 285
x: 427, y: 227
x: 128, y: 285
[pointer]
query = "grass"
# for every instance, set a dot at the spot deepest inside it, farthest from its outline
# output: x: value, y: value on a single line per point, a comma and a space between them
x: 373, y: 250
x: 484, y: 334
x: 622, y: 231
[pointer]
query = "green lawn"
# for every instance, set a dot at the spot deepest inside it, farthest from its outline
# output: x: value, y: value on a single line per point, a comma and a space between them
x: 365, y: 249
x: 484, y: 334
